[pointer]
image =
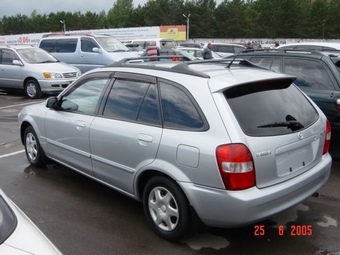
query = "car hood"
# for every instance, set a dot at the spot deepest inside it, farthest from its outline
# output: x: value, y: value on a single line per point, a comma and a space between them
x: 58, y: 67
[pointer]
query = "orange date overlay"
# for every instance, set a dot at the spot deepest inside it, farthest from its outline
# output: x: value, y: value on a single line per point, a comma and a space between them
x: 293, y: 230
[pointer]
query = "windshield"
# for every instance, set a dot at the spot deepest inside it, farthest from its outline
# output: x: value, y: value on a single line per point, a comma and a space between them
x: 36, y: 56
x: 185, y: 54
x: 111, y: 44
x: 7, y: 221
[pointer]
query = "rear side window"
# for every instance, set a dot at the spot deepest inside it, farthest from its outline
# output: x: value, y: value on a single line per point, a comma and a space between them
x: 180, y: 111
x: 309, y: 73
x: 59, y: 45
x: 270, y: 108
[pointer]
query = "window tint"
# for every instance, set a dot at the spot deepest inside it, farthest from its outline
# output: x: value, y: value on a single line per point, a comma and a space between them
x: 309, y: 73
x: 7, y: 57
x: 273, y: 63
x: 66, y: 45
x: 226, y: 48
x: 262, y: 61
x: 133, y: 100
x: 270, y: 108
x: 87, y: 45
x: 84, y: 98
x: 59, y: 45
x: 178, y: 109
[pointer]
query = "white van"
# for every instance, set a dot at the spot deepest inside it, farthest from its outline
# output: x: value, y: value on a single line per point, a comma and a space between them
x: 85, y: 51
x: 162, y: 43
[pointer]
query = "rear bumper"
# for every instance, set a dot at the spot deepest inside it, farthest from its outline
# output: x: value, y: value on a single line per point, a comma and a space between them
x: 222, y: 208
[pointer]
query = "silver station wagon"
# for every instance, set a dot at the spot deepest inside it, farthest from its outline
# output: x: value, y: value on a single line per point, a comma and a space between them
x: 228, y: 142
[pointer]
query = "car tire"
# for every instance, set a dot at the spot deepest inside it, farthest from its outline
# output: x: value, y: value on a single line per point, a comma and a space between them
x: 32, y: 89
x: 166, y: 208
x: 34, y: 152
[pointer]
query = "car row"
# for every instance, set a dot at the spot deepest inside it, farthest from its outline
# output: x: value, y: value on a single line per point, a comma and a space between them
x: 227, y: 142
x: 317, y: 75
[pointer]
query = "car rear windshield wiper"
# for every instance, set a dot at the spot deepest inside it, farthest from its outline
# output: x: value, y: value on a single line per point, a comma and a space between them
x: 293, y: 125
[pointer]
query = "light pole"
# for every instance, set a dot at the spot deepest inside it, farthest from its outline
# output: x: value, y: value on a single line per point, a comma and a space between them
x: 188, y: 18
x: 63, y: 22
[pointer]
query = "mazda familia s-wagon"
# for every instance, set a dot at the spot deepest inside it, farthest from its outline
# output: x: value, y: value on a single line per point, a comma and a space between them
x: 228, y: 142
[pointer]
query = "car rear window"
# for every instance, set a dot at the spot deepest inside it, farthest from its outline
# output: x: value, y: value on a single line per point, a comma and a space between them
x: 269, y: 108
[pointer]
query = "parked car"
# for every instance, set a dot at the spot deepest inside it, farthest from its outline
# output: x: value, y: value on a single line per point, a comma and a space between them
x: 317, y: 75
x: 18, y: 234
x: 197, y: 52
x: 161, y: 43
x: 318, y: 46
x: 226, y: 49
x: 190, y: 45
x: 232, y: 143
x: 34, y: 71
x: 85, y: 51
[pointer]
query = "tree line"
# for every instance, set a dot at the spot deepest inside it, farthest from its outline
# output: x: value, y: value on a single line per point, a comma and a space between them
x: 229, y: 19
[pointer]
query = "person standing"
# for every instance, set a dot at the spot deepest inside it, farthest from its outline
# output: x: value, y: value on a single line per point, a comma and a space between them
x: 206, y: 53
x: 152, y: 50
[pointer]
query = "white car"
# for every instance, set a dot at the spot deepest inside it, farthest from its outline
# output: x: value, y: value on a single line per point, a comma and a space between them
x: 18, y: 234
x: 197, y: 52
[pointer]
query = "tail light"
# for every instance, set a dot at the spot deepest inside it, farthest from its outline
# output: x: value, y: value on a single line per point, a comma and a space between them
x: 236, y: 166
x: 327, y: 138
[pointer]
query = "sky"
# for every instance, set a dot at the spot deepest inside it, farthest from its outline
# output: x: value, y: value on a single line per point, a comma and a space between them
x: 26, y: 7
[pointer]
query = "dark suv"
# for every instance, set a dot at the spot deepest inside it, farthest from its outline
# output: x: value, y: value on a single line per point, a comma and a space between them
x: 318, y: 75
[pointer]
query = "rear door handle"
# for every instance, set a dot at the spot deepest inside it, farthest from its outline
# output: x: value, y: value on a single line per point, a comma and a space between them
x: 144, y: 139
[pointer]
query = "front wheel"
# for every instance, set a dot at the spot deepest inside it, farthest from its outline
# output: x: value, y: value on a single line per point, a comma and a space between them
x: 32, y: 89
x: 34, y: 152
x: 166, y: 208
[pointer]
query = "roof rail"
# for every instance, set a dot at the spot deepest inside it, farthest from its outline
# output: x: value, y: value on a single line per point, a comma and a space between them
x: 55, y: 35
x: 182, y: 67
x: 301, y: 51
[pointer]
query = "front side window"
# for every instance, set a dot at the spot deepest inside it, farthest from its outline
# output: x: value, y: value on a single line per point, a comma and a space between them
x: 179, y: 110
x: 87, y: 45
x: 8, y: 57
x: 133, y: 101
x: 310, y: 73
x: 84, y: 97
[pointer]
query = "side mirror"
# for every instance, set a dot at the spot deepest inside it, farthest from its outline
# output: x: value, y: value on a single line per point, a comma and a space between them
x: 96, y: 49
x: 17, y: 62
x: 52, y: 103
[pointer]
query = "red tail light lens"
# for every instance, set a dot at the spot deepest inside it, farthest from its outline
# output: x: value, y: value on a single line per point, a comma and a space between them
x: 236, y: 166
x: 327, y: 138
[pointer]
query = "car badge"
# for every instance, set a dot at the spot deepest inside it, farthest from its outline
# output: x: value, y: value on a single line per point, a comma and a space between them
x: 300, y: 135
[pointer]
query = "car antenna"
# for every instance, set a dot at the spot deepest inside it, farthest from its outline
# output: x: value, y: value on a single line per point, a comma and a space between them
x: 231, y: 62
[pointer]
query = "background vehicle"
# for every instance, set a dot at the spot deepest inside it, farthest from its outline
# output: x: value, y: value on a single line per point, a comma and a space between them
x: 226, y: 141
x: 190, y: 45
x: 18, y: 234
x: 317, y: 46
x: 33, y: 70
x: 317, y: 75
x: 197, y: 52
x: 226, y: 49
x: 161, y: 43
x: 85, y: 52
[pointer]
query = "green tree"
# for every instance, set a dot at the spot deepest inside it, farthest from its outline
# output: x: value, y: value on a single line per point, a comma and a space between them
x: 120, y: 15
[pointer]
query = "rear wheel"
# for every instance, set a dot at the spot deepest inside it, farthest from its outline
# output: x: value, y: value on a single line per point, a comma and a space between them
x: 34, y: 152
x: 32, y: 89
x: 166, y: 208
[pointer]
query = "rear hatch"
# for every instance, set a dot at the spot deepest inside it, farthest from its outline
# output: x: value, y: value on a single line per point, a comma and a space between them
x: 281, y: 128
